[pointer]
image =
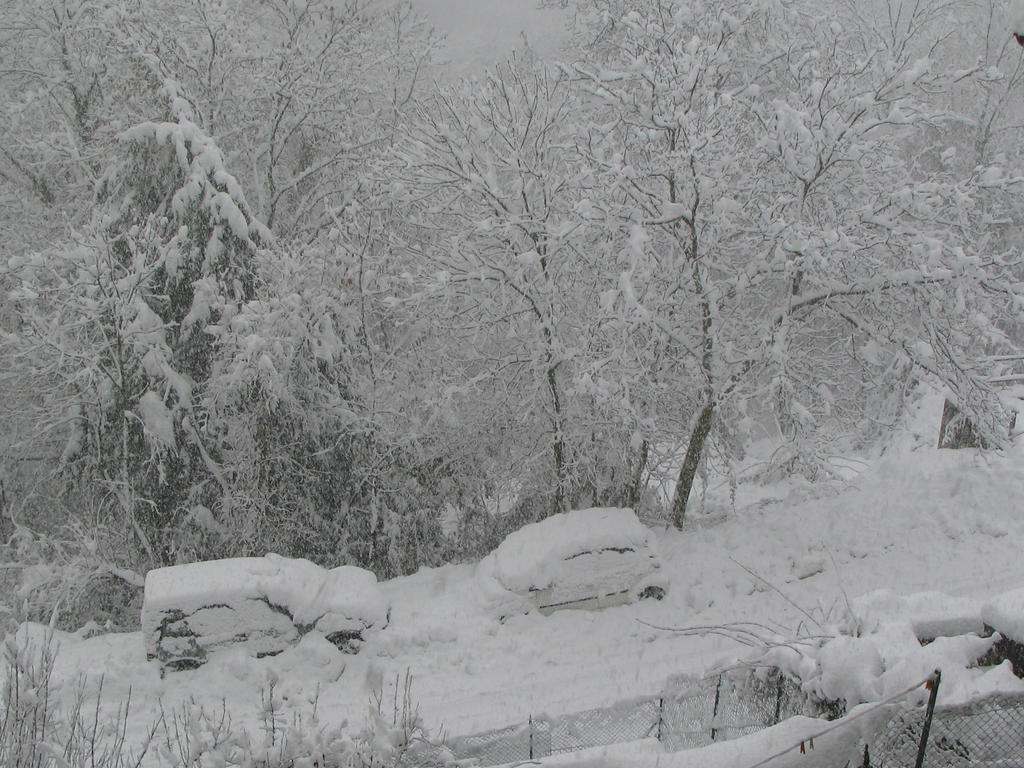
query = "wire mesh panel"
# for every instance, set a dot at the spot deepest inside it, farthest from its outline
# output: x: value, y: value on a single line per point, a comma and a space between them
x: 693, y: 712
x: 600, y: 727
x: 688, y: 712
x: 503, y: 745
x: 779, y: 697
x: 728, y: 706
x: 986, y: 732
x: 745, y: 705
x: 427, y: 755
x: 540, y: 737
x: 896, y: 745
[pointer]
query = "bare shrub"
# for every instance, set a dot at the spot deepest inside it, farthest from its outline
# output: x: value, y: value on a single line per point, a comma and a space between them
x: 38, y: 731
x: 45, y: 723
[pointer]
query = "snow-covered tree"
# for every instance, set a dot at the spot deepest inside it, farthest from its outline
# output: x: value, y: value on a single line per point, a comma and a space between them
x: 63, y: 90
x: 758, y: 164
x: 297, y: 92
x: 294, y: 92
x: 504, y: 275
x: 118, y: 324
x: 192, y: 425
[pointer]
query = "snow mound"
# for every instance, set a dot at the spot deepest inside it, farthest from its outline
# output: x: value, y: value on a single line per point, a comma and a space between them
x: 890, y: 659
x: 263, y: 603
x: 1005, y: 614
x: 931, y: 614
x: 850, y: 670
x: 572, y: 558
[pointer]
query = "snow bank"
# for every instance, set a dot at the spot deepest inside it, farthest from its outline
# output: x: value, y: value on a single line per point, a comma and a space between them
x: 571, y: 557
x: 886, y: 656
x: 1005, y: 614
x: 890, y: 659
x: 931, y: 614
x: 263, y: 603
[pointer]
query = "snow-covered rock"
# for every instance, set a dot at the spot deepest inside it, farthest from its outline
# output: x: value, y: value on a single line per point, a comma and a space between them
x: 264, y: 604
x: 588, y: 558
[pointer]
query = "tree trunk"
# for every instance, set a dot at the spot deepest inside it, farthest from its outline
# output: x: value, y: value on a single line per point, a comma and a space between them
x: 636, y: 487
x: 558, y: 445
x: 694, y: 451
x: 957, y: 431
x: 558, y: 449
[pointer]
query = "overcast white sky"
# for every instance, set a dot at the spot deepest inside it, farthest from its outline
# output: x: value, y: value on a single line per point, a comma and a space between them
x: 481, y: 32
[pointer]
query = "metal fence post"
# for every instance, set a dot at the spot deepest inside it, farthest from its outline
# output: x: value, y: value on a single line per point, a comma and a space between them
x: 531, y: 737
x: 661, y: 715
x: 778, y: 698
x: 714, y: 712
x: 923, y: 746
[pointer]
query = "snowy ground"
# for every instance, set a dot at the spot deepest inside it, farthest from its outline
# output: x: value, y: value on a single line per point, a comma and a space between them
x: 916, y: 520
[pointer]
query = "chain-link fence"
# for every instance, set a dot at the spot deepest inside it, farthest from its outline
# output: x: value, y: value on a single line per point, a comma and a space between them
x: 600, y: 727
x: 691, y: 712
x: 729, y: 706
x: 985, y: 733
x: 502, y: 745
x: 542, y: 736
x: 898, y: 744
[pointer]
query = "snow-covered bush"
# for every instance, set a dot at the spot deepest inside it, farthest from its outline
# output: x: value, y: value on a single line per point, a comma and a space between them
x: 71, y: 576
x: 25, y: 704
x: 75, y: 724
x: 192, y: 735
x: 51, y: 725
x: 320, y: 474
x: 837, y: 671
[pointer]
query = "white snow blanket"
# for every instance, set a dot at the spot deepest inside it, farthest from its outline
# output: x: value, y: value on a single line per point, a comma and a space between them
x: 262, y: 603
x: 585, y: 558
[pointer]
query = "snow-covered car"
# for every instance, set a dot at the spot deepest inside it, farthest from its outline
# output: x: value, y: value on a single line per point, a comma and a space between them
x: 264, y: 604
x: 588, y: 558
